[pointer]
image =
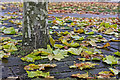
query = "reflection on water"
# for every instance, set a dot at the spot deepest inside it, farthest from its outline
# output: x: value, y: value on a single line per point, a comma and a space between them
x: 82, y: 15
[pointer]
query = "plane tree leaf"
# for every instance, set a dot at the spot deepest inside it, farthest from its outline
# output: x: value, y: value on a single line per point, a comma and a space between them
x: 10, y: 30
x: 105, y: 74
x: 90, y: 33
x: 114, y: 40
x: 58, y: 46
x: 58, y: 56
x: 92, y: 43
x: 115, y: 71
x: 52, y: 41
x: 38, y: 73
x: 31, y: 58
x: 47, y: 51
x: 78, y: 38
x: 106, y: 45
x: 75, y: 51
x: 78, y: 31
x: 109, y: 31
x: 117, y: 53
x: 84, y: 59
x: 3, y: 55
x: 4, y: 39
x: 78, y: 75
x: 10, y: 47
x: 74, y: 44
x: 38, y: 67
x: 85, y: 65
x: 111, y: 60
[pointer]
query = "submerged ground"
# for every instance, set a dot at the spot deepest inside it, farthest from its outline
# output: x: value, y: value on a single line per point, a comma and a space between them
x: 69, y: 34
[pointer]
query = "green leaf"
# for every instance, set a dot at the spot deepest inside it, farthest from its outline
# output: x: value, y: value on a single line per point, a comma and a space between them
x: 10, y: 30
x: 75, y: 51
x: 47, y: 51
x: 110, y: 60
x: 84, y: 59
x: 73, y: 44
x: 58, y: 46
x: 1, y: 54
x: 39, y: 66
x: 107, y: 25
x: 52, y: 41
x: 38, y: 73
x: 3, y: 28
x: 92, y: 43
x: 31, y: 58
x: 109, y: 31
x: 55, y: 27
x: 58, y: 56
x: 63, y: 52
x: 114, y: 71
x: 90, y: 33
x: 117, y: 53
x: 78, y: 38
x: 0, y: 47
x: 10, y: 47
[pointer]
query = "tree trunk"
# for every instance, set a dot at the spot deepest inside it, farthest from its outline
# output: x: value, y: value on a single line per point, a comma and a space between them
x: 35, y: 23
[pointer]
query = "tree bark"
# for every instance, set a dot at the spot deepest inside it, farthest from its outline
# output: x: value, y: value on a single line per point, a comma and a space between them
x: 35, y: 23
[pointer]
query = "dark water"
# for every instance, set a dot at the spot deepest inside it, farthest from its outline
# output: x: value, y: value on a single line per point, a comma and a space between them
x: 83, y: 15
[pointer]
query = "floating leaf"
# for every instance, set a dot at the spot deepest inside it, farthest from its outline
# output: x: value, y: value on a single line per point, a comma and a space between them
x: 105, y: 74
x: 79, y: 30
x: 106, y: 45
x: 47, y: 51
x: 78, y: 38
x: 10, y: 47
x: 31, y: 58
x: 117, y: 53
x: 52, y: 41
x: 2, y: 54
x: 92, y: 43
x: 38, y: 73
x: 82, y: 66
x: 109, y: 31
x: 50, y: 57
x: 58, y: 46
x: 10, y: 30
x: 75, y: 51
x: 115, y: 71
x: 110, y: 60
x: 39, y: 66
x: 78, y: 75
x: 73, y: 44
x: 58, y: 56
x: 90, y: 33
x: 113, y: 39
x: 84, y: 59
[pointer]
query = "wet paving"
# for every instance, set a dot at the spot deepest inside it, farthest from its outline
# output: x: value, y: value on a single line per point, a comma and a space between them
x: 13, y: 66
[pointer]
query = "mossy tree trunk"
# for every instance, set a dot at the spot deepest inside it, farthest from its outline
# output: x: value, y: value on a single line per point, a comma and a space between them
x: 35, y: 23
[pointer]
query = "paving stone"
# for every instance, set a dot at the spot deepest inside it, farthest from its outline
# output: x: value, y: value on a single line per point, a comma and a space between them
x: 11, y: 61
x: 67, y: 74
x: 96, y: 71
